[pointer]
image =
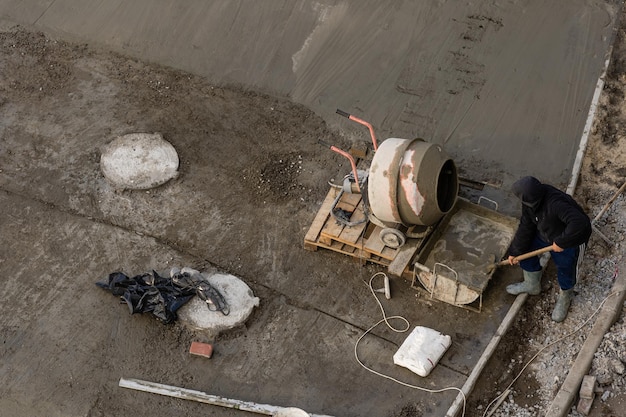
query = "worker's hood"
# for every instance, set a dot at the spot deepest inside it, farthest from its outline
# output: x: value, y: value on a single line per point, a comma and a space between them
x: 529, y: 190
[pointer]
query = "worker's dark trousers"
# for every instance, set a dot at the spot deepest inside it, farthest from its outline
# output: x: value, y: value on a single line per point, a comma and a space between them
x: 567, y: 262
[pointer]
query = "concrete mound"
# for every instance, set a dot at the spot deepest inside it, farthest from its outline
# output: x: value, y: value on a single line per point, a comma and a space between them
x: 139, y: 161
x: 239, y: 297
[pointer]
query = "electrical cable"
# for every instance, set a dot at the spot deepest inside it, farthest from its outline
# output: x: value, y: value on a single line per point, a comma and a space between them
x: 397, y: 330
x: 547, y: 346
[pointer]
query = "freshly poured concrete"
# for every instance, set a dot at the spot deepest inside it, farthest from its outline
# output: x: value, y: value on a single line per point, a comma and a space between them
x: 505, y: 87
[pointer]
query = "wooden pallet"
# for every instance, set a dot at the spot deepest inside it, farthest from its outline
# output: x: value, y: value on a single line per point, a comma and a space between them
x: 360, y: 241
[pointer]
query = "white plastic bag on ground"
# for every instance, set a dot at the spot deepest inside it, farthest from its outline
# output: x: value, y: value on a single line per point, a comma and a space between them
x: 421, y: 350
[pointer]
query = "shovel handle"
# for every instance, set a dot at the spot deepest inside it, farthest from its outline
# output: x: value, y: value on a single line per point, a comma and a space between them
x: 527, y: 255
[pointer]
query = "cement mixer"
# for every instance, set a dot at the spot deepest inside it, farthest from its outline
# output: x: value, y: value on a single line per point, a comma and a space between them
x: 409, y: 186
x: 403, y: 211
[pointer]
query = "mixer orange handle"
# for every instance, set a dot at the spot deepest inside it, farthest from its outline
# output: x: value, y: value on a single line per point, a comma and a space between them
x: 360, y: 121
x: 350, y: 158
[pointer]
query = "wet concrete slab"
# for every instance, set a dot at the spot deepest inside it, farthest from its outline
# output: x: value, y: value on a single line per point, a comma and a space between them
x: 503, y: 86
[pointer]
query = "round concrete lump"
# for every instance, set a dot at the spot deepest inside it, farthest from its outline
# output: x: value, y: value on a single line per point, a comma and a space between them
x: 239, y: 297
x: 139, y: 161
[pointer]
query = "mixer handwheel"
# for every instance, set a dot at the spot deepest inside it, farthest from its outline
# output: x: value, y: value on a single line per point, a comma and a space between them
x: 392, y: 237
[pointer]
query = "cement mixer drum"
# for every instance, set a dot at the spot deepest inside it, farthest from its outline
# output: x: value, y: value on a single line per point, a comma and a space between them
x: 411, y: 182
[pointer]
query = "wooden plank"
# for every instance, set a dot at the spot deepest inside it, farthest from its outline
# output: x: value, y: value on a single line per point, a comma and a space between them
x: 404, y: 256
x: 354, y: 250
x: 378, y: 260
x: 382, y: 262
x: 332, y: 228
x: 310, y: 246
x: 360, y: 249
x: 321, y: 217
x: 363, y: 254
x: 407, y: 274
x: 325, y: 232
x: 349, y: 201
x: 338, y: 247
x: 341, y: 248
x: 351, y: 234
x: 374, y: 244
x: 349, y: 249
x: 389, y: 253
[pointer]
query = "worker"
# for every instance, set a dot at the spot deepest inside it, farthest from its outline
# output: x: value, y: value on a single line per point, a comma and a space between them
x: 549, y: 217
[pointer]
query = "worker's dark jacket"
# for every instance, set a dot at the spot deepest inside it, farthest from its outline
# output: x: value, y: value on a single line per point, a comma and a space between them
x: 551, y: 213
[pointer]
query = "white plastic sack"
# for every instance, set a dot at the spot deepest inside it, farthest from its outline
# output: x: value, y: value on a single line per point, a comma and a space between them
x: 421, y: 350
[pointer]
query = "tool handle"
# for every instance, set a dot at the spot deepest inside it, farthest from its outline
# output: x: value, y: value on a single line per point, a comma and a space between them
x: 607, y: 205
x: 326, y: 144
x: 527, y: 255
x: 343, y: 113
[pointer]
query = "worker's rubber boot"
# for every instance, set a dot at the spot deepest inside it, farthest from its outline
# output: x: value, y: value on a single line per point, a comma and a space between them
x: 562, y: 305
x: 530, y: 285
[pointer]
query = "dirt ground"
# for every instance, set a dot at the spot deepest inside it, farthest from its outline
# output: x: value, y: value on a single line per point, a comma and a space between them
x: 242, y: 152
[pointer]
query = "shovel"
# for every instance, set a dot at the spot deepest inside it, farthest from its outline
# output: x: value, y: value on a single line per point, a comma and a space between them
x: 521, y: 257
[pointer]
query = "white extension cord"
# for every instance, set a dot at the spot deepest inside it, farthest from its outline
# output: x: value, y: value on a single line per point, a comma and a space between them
x: 386, y: 320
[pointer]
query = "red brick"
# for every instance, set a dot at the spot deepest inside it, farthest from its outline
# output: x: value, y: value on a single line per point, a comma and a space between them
x: 201, y: 349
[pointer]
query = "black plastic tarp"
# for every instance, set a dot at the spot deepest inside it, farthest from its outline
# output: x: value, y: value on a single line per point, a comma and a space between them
x: 162, y: 296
